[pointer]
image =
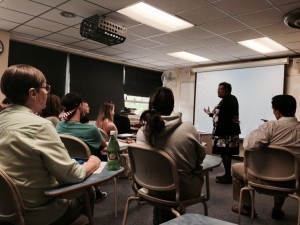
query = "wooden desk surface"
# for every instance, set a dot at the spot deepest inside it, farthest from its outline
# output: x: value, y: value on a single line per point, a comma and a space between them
x: 196, y: 219
x: 92, y: 180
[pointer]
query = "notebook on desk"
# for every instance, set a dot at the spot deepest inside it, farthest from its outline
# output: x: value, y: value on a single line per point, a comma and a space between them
x: 101, y: 167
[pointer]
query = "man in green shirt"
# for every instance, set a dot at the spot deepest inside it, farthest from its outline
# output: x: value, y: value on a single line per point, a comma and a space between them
x: 31, y: 152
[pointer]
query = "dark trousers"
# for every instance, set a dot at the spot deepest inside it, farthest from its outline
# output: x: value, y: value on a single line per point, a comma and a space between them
x: 77, y: 206
x: 161, y: 216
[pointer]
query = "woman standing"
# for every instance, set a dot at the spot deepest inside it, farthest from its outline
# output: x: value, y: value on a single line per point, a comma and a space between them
x: 226, y: 129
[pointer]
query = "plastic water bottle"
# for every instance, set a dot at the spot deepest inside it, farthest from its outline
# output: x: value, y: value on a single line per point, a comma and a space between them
x: 113, y: 152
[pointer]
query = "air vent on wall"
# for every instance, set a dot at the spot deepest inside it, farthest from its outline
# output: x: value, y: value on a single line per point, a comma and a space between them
x: 292, y: 18
x: 101, y: 30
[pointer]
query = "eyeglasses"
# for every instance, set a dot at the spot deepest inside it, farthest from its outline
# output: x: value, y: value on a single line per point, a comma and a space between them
x: 47, y: 87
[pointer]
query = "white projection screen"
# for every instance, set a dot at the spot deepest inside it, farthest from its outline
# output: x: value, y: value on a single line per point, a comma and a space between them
x: 253, y: 87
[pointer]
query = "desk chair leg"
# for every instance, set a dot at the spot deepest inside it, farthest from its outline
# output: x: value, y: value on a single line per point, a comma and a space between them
x: 127, y: 206
x: 252, y: 203
x: 177, y: 214
x: 207, y: 196
x: 240, y: 202
x: 295, y: 196
x: 205, y: 208
x: 88, y: 207
x: 116, y: 197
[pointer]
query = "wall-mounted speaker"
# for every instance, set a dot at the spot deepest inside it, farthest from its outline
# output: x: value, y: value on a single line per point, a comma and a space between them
x: 296, y: 63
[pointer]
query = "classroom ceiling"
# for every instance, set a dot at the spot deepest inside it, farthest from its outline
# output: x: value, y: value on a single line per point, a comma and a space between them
x: 219, y: 25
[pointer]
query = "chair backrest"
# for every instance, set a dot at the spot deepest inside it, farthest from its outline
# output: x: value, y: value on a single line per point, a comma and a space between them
x: 272, y: 163
x: 122, y: 123
x: 75, y: 146
x: 104, y: 134
x: 153, y: 169
x: 11, y: 204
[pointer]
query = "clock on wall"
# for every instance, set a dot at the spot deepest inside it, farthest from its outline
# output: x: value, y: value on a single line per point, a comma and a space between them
x: 1, y: 47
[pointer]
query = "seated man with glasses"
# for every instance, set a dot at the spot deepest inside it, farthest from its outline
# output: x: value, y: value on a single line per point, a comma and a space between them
x: 31, y: 151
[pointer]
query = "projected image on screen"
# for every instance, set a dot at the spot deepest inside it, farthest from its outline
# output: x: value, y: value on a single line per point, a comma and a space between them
x: 253, y: 87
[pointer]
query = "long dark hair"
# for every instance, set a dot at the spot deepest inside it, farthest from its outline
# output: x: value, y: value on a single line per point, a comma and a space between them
x: 161, y: 103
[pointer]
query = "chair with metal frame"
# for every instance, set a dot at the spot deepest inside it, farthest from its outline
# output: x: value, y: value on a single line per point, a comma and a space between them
x: 12, y: 207
x: 75, y: 146
x: 154, y: 170
x: 266, y: 171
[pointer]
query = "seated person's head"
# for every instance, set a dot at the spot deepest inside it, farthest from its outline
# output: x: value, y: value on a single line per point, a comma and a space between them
x: 107, y: 111
x: 71, y: 102
x: 25, y: 85
x: 285, y: 104
x: 162, y: 101
x: 53, y: 106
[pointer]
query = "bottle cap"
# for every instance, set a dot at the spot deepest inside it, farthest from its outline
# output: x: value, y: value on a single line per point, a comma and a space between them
x: 112, y: 132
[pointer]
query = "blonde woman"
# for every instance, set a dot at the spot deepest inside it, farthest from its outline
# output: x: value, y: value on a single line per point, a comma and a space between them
x: 105, y: 119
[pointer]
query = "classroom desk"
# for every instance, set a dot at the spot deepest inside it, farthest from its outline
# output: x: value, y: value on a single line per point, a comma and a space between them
x: 210, y: 162
x: 94, y: 179
x: 196, y: 219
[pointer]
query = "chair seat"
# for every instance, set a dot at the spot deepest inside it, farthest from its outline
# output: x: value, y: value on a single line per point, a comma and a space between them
x: 144, y: 193
x: 154, y: 171
x: 272, y: 170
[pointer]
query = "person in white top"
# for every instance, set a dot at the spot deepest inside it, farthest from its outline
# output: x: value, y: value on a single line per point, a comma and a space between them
x: 284, y: 131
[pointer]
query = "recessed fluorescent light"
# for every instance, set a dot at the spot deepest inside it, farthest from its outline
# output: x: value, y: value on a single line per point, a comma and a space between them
x: 188, y: 56
x: 154, y: 17
x: 263, y: 45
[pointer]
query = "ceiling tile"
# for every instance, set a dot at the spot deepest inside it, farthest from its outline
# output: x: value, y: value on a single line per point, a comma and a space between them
x: 203, y: 14
x: 242, y: 35
x: 54, y: 15
x: 72, y: 32
x: 145, y: 43
x: 46, y: 24
x: 193, y: 33
x: 7, y: 25
x: 213, y: 41
x: 31, y: 31
x: 61, y: 38
x: 13, y: 16
x: 235, y: 50
x: 27, y: 7
x: 109, y: 51
x: 226, y: 25
x: 289, y: 7
x: 88, y: 44
x: 238, y: 7
x: 166, y: 38
x: 276, y: 28
x: 122, y: 20
x: 263, y: 17
x: 82, y: 8
x: 286, y: 38
x: 221, y: 24
x: 52, y: 3
x: 144, y: 31
x: 283, y: 2
x: 113, y: 4
x: 175, y: 6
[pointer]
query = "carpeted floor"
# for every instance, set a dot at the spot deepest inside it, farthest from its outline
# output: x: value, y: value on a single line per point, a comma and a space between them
x: 219, y: 206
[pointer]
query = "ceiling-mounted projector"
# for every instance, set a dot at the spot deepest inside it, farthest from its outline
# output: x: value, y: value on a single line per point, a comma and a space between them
x: 101, y: 30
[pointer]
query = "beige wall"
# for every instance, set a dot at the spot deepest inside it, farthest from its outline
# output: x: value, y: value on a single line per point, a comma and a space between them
x: 4, y: 37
